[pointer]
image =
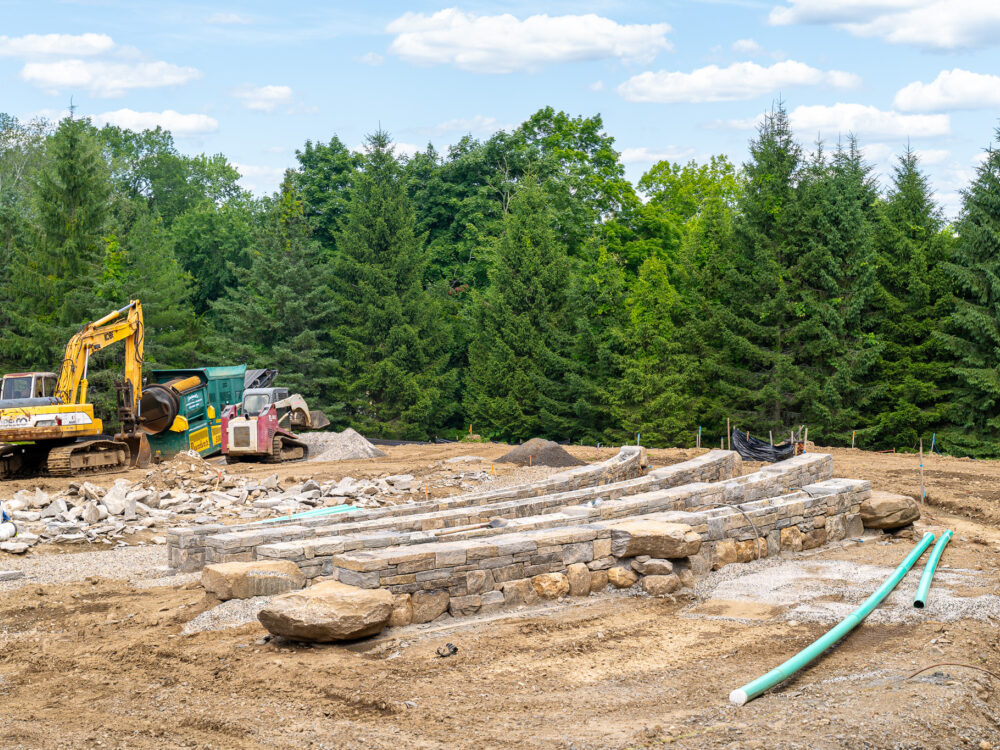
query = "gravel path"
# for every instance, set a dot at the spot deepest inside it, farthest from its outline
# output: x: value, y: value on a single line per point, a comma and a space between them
x: 144, y: 566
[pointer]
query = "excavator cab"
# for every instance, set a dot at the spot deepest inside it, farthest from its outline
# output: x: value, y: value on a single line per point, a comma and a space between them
x: 28, y: 389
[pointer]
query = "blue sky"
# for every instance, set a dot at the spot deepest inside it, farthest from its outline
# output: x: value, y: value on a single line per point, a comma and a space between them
x: 678, y: 80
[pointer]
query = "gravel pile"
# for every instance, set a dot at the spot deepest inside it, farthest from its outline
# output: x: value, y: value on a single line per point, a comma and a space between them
x: 339, y: 446
x: 539, y: 452
x: 228, y: 614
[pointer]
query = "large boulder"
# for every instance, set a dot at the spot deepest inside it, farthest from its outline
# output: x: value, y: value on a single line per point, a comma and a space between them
x: 659, y: 539
x: 328, y: 611
x: 242, y: 580
x: 551, y: 585
x: 887, y: 510
x: 428, y: 605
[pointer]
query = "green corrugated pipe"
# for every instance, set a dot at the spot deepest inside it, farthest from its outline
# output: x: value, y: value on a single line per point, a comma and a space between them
x: 311, y: 513
x: 929, y: 568
x: 762, y: 684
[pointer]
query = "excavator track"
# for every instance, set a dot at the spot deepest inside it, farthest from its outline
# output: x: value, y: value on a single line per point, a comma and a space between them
x: 20, y: 461
x: 88, y: 457
x: 285, y: 449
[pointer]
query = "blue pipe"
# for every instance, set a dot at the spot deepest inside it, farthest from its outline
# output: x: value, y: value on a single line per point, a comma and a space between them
x: 314, y: 513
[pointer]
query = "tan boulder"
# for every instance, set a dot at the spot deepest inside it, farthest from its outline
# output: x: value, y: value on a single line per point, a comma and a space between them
x: 659, y: 539
x: 725, y: 554
x: 428, y: 605
x: 622, y: 578
x: 887, y: 510
x: 661, y: 585
x: 242, y: 580
x: 328, y: 611
x: 747, y: 551
x: 402, y: 611
x: 598, y: 580
x: 791, y: 539
x: 578, y: 576
x: 520, y: 591
x: 551, y: 585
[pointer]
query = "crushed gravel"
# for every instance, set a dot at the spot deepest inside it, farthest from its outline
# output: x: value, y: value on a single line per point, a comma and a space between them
x: 143, y: 565
x: 338, y: 446
x: 228, y: 614
x: 826, y: 591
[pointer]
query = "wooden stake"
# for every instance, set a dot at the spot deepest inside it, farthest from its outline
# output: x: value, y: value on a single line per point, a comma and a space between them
x: 722, y: 443
x: 529, y: 459
x: 697, y: 440
x: 729, y: 434
x: 770, y: 436
x: 427, y: 493
x: 853, y: 434
x: 806, y: 438
x: 923, y: 489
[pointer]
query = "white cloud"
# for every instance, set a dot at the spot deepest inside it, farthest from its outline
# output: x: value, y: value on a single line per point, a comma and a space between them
x: 931, y: 24
x: 51, y: 45
x: 477, y: 124
x: 743, y: 80
x: 596, y: 86
x: 260, y: 179
x: 105, y: 78
x: 933, y: 155
x: 747, y: 47
x: 952, y: 89
x: 504, y: 43
x: 177, y: 123
x: 865, y: 121
x: 644, y: 155
x: 371, y: 58
x: 229, y: 19
x: 264, y: 98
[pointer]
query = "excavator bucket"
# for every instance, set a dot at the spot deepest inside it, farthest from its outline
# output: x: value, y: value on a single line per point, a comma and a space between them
x: 138, y: 448
x: 318, y: 420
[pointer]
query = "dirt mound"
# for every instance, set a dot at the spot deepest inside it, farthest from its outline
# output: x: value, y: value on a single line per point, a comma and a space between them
x: 539, y: 452
x: 339, y: 446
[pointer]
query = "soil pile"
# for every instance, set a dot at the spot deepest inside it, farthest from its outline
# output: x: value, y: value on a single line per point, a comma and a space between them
x: 339, y: 446
x: 539, y: 452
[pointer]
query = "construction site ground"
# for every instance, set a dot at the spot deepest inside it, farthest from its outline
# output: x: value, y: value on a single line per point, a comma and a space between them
x: 101, y: 661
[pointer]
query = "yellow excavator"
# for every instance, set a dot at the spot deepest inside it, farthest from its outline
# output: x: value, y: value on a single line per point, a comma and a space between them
x: 48, y: 427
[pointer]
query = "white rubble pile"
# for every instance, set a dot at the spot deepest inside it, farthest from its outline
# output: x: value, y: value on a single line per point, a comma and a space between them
x: 188, y: 489
x: 339, y: 446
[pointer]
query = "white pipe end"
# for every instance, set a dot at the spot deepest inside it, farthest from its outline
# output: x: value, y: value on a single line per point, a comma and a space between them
x: 738, y: 698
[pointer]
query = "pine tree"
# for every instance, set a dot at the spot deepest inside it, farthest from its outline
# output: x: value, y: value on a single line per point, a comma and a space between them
x: 972, y: 331
x: 519, y: 355
x: 390, y: 336
x: 911, y: 302
x: 281, y: 311
x: 651, y: 397
x: 56, y: 271
x: 751, y: 366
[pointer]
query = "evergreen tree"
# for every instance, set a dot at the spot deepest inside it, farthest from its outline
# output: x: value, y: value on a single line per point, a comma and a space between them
x: 651, y: 398
x: 56, y: 271
x: 519, y: 355
x: 912, y: 297
x: 280, y: 312
x: 390, y: 336
x: 972, y: 331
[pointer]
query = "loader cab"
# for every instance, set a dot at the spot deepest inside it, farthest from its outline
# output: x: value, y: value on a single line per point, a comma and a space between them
x: 27, y: 385
x: 255, y: 400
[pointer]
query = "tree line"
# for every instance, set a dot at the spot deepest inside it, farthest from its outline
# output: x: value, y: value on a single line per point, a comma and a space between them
x: 521, y: 285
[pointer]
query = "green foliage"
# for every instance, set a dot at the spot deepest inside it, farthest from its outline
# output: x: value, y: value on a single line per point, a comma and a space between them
x: 519, y: 282
x: 280, y: 312
x: 390, y: 337
x: 519, y: 354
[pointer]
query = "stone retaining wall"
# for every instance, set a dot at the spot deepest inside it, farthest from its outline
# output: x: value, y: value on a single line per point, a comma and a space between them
x: 192, y: 548
x: 316, y: 556
x: 471, y: 575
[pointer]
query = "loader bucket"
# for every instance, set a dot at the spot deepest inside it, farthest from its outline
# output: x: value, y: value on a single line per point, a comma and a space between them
x: 138, y: 448
x: 318, y: 420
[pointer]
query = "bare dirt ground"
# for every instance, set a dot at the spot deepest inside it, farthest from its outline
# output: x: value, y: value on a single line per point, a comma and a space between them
x: 103, y: 663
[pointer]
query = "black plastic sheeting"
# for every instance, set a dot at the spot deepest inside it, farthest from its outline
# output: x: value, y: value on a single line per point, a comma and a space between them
x: 381, y: 441
x: 753, y: 449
